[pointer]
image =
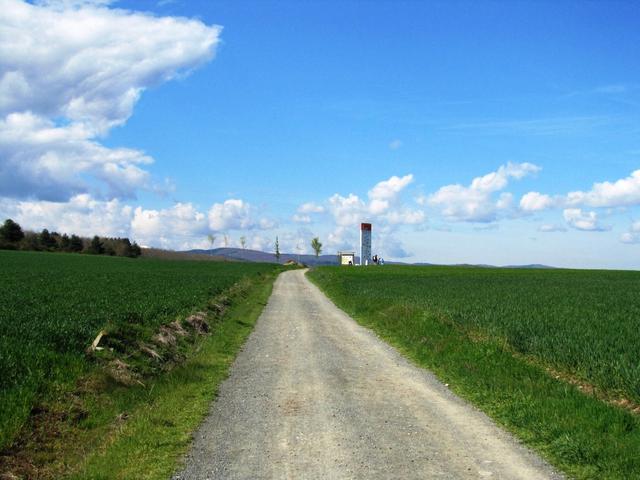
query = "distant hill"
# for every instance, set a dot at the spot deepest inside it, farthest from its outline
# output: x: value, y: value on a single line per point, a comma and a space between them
x: 247, y: 255
x: 482, y: 265
x: 173, y: 255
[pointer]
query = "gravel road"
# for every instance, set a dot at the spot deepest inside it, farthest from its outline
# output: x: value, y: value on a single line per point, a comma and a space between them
x: 313, y: 395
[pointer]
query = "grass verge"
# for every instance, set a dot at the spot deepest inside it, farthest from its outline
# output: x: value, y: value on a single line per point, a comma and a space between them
x: 578, y: 433
x: 104, y: 429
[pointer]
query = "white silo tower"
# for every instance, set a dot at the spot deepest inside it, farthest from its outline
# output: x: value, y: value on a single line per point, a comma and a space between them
x: 365, y: 243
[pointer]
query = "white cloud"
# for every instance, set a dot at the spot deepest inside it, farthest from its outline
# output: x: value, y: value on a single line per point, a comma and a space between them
x: 405, y: 217
x: 505, y: 201
x: 236, y: 214
x: 623, y: 192
x: 168, y: 228
x: 535, y: 202
x: 343, y: 238
x: 301, y: 218
x: 581, y: 220
x: 384, y: 208
x: 81, y: 215
x: 69, y: 72
x: 181, y: 226
x: 389, y: 247
x: 549, y: 227
x: 476, y: 202
x: 389, y: 189
x: 310, y: 207
x: 262, y: 243
x: 385, y: 193
x: 38, y: 159
x: 633, y: 235
x: 349, y: 210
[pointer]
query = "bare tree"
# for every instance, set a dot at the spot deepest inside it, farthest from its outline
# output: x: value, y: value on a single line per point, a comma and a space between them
x: 277, y: 247
x: 243, y: 242
x: 317, y: 246
x: 226, y: 240
x: 212, y: 240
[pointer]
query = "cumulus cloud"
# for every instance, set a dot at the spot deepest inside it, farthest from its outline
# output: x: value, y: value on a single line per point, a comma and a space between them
x: 384, y: 193
x: 384, y: 206
x: 181, y: 226
x: 621, y: 193
x: 581, y: 220
x: 535, y: 202
x: 633, y: 235
x: 476, y: 202
x: 236, y: 214
x: 175, y: 226
x: 305, y: 211
x: 38, y: 159
x: 69, y: 72
x: 81, y: 215
x: 349, y: 210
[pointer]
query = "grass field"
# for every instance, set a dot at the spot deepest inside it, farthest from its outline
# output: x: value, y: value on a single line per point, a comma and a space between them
x: 53, y: 305
x: 511, y: 340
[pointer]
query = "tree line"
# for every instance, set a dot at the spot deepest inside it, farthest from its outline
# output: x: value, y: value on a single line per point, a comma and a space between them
x: 12, y: 237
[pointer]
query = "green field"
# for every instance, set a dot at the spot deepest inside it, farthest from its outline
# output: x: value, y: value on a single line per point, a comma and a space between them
x: 500, y: 337
x: 53, y: 305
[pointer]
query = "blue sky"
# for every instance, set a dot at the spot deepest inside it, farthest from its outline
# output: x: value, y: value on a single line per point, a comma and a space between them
x: 299, y: 119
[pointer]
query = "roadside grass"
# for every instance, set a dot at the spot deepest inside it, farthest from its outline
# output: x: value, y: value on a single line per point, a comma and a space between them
x: 580, y: 434
x: 161, y: 417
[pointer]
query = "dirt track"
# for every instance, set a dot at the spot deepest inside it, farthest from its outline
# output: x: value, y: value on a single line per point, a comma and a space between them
x: 315, y: 396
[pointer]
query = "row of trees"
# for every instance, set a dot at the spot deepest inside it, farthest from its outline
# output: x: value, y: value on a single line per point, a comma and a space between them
x: 316, y: 245
x: 12, y: 237
x: 225, y: 239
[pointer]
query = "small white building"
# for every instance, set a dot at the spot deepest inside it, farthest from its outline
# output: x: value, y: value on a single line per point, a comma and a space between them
x: 346, y: 258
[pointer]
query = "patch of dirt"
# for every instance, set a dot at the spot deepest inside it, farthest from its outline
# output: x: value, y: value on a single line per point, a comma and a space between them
x: 291, y: 406
x: 198, y: 321
x: 594, y: 391
x: 50, y: 427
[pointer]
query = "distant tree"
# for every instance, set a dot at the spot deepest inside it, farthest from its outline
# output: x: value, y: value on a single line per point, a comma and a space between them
x: 96, y: 246
x: 136, y: 251
x: 75, y: 244
x: 30, y: 241
x: 65, y: 243
x: 47, y: 241
x: 226, y: 240
x: 243, y: 242
x: 212, y: 240
x: 277, y: 246
x: 109, y: 248
x: 11, y: 231
x: 317, y: 246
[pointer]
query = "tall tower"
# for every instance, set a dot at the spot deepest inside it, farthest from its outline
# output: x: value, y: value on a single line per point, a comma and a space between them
x: 365, y: 243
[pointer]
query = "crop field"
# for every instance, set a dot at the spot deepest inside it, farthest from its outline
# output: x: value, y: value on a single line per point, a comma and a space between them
x: 53, y: 305
x: 584, y: 322
x: 513, y: 341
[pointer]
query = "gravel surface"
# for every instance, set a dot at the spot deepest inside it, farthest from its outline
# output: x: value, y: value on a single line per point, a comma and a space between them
x: 313, y: 395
